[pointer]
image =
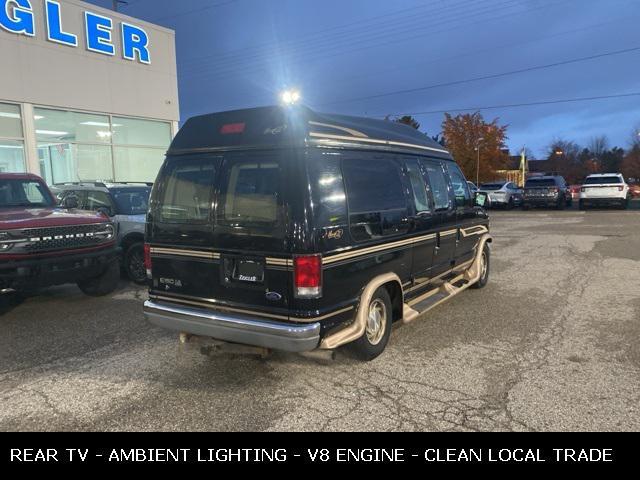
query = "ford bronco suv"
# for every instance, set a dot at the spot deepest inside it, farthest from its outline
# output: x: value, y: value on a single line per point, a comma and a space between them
x: 126, y: 204
x: 287, y: 229
x: 43, y: 243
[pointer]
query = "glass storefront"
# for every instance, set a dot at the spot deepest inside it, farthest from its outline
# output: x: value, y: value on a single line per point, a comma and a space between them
x: 12, y: 156
x: 74, y: 147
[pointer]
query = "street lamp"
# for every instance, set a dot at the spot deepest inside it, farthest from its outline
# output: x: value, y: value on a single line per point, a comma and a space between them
x: 290, y: 97
x: 480, y: 140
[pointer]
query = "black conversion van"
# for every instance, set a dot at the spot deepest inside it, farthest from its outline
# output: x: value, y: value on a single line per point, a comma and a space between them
x: 288, y: 229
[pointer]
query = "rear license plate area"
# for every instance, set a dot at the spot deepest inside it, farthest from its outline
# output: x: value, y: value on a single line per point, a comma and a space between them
x: 243, y: 271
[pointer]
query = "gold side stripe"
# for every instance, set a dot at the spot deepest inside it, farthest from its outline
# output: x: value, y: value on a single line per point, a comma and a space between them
x: 448, y: 233
x: 184, y: 253
x: 366, y: 251
x: 210, y: 304
x: 281, y: 262
x: 326, y: 137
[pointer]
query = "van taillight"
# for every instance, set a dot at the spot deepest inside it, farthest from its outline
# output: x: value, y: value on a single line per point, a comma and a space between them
x: 307, y: 276
x: 147, y: 259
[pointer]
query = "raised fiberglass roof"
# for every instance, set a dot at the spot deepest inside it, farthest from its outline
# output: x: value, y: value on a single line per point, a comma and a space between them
x: 266, y: 127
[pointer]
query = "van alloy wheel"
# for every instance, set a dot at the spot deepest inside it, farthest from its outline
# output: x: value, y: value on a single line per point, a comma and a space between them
x: 376, y: 321
x: 377, y: 329
x: 484, y: 265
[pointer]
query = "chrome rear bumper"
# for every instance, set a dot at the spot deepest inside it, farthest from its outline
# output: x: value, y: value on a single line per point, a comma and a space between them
x: 233, y: 328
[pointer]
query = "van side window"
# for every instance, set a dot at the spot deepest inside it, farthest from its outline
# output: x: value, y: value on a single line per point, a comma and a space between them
x: 188, y: 186
x: 439, y: 184
x: 460, y: 185
x: 327, y: 188
x: 250, y: 190
x: 418, y: 186
x: 376, y: 198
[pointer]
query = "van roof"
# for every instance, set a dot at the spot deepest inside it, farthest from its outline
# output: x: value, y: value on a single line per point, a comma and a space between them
x: 277, y: 127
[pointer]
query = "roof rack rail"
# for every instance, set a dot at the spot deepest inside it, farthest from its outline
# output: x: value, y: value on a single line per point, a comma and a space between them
x: 148, y: 184
x: 95, y: 184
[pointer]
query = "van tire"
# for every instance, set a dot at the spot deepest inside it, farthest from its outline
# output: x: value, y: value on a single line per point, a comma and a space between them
x: 103, y: 284
x: 374, y: 340
x: 485, y: 260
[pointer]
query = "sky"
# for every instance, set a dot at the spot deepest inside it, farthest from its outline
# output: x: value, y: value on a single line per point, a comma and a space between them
x: 380, y: 57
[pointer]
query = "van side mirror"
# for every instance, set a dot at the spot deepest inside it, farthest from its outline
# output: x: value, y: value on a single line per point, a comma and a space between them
x: 480, y: 199
x: 70, y: 202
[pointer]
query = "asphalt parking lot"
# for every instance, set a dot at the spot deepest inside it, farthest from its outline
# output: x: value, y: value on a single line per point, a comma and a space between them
x: 550, y: 344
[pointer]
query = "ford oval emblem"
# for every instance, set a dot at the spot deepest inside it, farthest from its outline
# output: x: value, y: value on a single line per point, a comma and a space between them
x: 273, y: 296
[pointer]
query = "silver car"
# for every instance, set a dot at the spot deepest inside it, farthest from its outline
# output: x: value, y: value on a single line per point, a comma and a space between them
x: 126, y: 204
x: 503, y: 194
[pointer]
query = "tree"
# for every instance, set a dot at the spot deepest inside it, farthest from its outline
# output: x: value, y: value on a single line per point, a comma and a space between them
x: 599, y: 146
x: 438, y: 138
x: 466, y: 133
x: 406, y: 120
x: 634, y: 138
x: 565, y: 158
x: 630, y: 166
x: 611, y: 160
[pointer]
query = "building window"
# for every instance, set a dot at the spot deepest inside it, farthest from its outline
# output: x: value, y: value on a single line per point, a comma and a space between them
x: 139, y: 148
x: 75, y: 147
x: 12, y: 158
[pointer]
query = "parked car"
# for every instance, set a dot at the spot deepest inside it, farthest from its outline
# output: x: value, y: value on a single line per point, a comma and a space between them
x: 605, y: 189
x: 126, y: 204
x: 547, y: 191
x: 43, y: 243
x: 503, y: 194
x: 634, y: 190
x: 574, y: 190
x: 288, y: 229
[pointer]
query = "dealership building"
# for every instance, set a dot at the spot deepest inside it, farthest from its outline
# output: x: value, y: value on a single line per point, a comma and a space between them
x: 86, y: 93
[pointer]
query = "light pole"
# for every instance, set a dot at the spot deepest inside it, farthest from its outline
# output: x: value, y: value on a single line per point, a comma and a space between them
x: 480, y: 140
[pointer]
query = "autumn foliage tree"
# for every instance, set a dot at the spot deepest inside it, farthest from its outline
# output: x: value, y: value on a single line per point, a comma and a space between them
x: 464, y: 133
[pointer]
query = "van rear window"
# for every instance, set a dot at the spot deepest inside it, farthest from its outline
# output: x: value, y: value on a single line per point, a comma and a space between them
x: 541, y: 182
x: 250, y: 192
x: 603, y: 180
x: 188, y: 187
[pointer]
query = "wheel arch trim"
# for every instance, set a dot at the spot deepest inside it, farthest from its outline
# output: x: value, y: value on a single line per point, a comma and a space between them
x: 356, y: 329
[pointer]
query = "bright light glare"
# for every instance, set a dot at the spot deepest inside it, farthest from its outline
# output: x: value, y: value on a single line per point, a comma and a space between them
x: 289, y: 97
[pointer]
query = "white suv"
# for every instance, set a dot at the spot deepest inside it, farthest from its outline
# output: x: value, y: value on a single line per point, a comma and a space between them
x: 604, y: 189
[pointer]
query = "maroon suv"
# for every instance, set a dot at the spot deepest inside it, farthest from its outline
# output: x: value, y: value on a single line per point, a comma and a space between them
x: 43, y: 243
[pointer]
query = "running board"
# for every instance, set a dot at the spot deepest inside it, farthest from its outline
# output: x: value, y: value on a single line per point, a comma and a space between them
x: 435, y: 297
x: 414, y: 308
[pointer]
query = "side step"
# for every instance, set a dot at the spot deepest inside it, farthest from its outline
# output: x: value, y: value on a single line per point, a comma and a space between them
x: 435, y: 297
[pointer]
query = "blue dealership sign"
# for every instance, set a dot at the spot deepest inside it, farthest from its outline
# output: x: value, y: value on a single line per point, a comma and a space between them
x: 18, y: 16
